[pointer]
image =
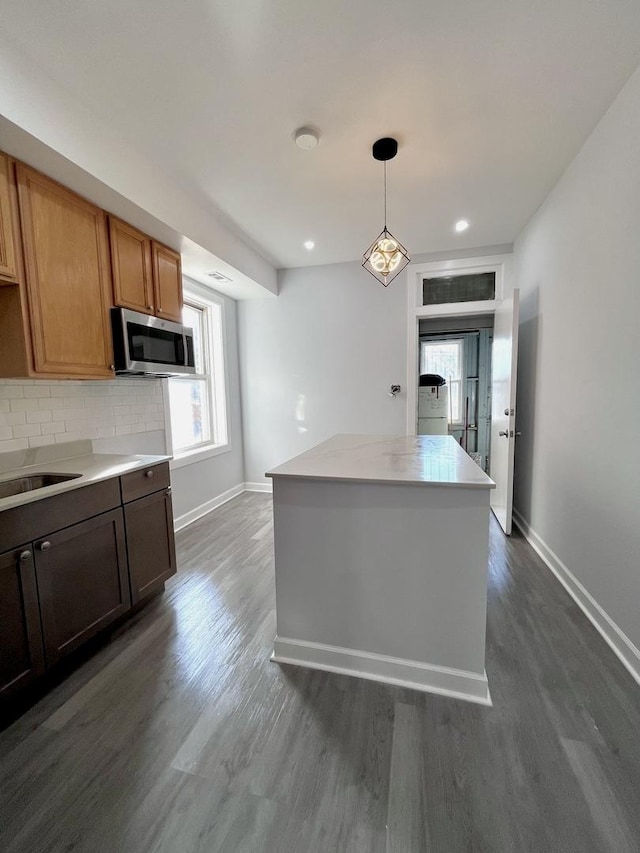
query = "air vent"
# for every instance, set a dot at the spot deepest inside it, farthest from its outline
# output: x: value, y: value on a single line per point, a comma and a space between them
x: 218, y: 276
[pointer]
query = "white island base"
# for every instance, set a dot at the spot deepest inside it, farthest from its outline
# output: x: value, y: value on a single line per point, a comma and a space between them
x: 381, y: 551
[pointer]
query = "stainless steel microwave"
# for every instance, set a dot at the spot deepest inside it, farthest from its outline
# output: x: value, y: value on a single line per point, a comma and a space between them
x: 144, y: 345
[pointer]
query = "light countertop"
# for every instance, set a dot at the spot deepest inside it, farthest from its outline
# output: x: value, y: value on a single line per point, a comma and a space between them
x: 420, y: 460
x: 74, y: 458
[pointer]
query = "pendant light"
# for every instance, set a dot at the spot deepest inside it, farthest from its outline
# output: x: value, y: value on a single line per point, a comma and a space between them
x: 386, y: 257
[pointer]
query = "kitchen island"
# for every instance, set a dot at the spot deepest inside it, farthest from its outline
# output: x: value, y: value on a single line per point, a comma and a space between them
x: 381, y: 551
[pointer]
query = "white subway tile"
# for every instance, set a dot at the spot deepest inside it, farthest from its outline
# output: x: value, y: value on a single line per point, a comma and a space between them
x: 54, y: 427
x: 14, y: 444
x: 38, y: 391
x: 41, y: 440
x: 26, y: 430
x: 106, y: 432
x: 6, y: 433
x: 21, y: 405
x: 11, y: 392
x: 38, y: 417
x: 13, y: 418
x: 5, y: 406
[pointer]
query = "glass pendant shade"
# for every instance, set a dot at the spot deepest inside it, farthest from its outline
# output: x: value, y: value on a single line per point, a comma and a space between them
x: 385, y: 258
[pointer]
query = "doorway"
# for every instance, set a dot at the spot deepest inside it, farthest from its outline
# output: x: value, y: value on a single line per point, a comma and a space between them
x: 460, y: 352
x: 454, y: 293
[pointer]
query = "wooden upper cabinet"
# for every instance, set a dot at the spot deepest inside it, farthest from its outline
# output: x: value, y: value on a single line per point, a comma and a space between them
x: 68, y: 276
x: 9, y: 233
x: 131, y: 266
x: 167, y: 281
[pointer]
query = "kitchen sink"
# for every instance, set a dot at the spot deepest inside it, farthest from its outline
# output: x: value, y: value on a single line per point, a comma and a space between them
x: 33, y: 481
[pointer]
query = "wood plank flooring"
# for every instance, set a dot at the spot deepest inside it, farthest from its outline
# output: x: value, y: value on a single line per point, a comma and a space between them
x: 180, y: 736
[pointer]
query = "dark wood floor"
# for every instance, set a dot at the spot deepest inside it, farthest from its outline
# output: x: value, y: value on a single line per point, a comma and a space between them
x: 180, y: 735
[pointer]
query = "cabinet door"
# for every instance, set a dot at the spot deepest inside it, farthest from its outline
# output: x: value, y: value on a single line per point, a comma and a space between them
x: 8, y: 223
x: 167, y: 282
x: 68, y: 278
x: 82, y: 582
x: 131, y: 267
x: 21, y: 657
x: 150, y: 543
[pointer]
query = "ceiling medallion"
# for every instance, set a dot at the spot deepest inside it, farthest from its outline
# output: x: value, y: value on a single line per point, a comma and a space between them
x: 386, y: 257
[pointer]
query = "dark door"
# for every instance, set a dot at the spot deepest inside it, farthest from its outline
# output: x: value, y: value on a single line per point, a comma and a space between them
x: 150, y: 543
x: 21, y: 657
x: 82, y: 582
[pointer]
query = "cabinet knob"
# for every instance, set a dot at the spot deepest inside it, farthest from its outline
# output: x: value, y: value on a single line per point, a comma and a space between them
x: 150, y: 307
x: 44, y: 546
x: 25, y: 555
x: 149, y: 474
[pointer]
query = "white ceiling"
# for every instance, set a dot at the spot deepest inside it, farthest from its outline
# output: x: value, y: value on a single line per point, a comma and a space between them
x: 490, y: 100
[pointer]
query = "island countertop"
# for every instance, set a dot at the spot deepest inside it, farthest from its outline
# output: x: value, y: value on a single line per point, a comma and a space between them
x: 421, y: 460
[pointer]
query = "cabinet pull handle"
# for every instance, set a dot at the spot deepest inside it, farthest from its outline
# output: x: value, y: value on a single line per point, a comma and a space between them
x: 149, y: 474
x: 25, y: 555
x: 44, y: 546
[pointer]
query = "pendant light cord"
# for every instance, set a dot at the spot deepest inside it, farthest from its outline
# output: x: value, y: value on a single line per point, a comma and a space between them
x: 385, y: 195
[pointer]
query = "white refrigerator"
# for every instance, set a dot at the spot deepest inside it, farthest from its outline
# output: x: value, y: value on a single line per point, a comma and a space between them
x: 433, y: 410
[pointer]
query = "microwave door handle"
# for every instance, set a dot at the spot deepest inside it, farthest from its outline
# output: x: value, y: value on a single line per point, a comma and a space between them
x: 180, y: 350
x: 190, y: 360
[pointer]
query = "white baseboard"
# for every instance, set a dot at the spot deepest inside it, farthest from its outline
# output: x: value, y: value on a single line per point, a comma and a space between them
x: 193, y: 515
x: 259, y: 487
x: 428, y: 678
x: 628, y: 653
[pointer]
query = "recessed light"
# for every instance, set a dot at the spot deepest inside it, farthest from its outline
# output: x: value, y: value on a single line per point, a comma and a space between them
x: 461, y: 225
x: 309, y: 244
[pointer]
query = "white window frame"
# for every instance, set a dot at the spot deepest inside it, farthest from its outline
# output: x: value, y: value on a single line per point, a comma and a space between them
x: 214, y: 345
x: 451, y: 340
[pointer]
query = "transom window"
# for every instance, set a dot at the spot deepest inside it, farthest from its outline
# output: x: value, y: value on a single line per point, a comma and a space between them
x: 446, y: 358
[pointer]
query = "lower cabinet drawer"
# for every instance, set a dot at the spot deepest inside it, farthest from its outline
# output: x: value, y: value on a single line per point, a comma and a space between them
x: 150, y: 543
x: 145, y: 481
x: 82, y: 582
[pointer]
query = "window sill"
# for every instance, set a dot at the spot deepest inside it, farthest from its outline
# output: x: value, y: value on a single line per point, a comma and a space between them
x: 198, y: 454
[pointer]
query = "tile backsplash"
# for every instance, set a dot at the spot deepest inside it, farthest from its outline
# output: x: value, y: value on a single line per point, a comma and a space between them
x: 34, y: 413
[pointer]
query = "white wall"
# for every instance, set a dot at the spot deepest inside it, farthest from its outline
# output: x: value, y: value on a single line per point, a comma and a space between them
x: 320, y: 358
x: 578, y: 462
x: 199, y: 485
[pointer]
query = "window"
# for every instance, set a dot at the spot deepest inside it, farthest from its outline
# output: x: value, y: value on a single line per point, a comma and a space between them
x: 197, y: 402
x: 475, y: 287
x: 446, y: 358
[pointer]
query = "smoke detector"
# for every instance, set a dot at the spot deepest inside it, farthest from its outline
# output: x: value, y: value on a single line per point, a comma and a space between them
x: 306, y: 138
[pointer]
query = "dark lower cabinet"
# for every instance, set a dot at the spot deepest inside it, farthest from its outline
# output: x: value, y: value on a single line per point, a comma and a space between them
x: 91, y: 553
x: 21, y: 656
x: 82, y: 581
x: 150, y: 543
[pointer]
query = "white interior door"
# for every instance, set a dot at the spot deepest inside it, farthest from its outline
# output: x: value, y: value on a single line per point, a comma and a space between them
x: 504, y: 360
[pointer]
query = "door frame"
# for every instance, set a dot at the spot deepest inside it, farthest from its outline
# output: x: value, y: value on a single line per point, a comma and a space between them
x: 502, y: 265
